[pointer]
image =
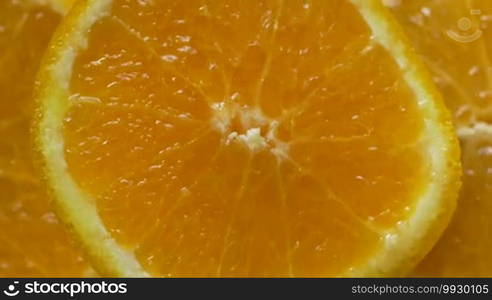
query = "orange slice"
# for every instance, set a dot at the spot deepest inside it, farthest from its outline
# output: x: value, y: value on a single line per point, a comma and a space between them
x: 32, y: 243
x: 241, y: 138
x: 452, y: 37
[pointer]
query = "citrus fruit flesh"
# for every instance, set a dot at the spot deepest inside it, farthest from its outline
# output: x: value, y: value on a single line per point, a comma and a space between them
x: 452, y: 37
x: 32, y: 243
x: 241, y: 138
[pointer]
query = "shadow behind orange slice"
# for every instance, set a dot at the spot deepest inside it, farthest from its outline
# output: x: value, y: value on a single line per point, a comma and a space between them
x: 32, y: 242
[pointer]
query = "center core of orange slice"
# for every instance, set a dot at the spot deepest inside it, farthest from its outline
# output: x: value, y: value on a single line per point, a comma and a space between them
x: 241, y: 124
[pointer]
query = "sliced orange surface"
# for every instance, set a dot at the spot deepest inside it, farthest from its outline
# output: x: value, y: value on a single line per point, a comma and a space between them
x: 32, y: 242
x: 244, y: 138
x: 453, y: 38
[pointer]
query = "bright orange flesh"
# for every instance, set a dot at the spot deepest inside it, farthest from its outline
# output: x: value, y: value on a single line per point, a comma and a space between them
x: 462, y: 68
x: 32, y: 243
x: 167, y: 101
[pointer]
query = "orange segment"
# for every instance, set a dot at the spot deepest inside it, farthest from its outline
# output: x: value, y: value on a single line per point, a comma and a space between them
x: 241, y: 138
x: 32, y: 243
x: 452, y: 36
